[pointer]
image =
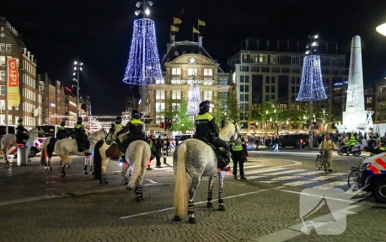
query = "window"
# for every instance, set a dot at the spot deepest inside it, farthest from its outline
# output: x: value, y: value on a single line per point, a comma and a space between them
x: 369, y: 100
x: 208, y: 72
x: 263, y: 58
x: 241, y: 79
x: 160, y: 107
x: 208, y: 95
x: 160, y: 94
x: 246, y: 88
x: 8, y: 47
x: 246, y: 79
x: 176, y: 71
x: 2, y: 60
x: 247, y: 97
x: 244, y: 68
x: 2, y: 75
x: 2, y: 47
x: 176, y: 106
x: 192, y: 72
x: 2, y: 89
x: 176, y: 94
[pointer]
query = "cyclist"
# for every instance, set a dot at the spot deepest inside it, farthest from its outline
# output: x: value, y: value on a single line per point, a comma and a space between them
x: 326, y: 147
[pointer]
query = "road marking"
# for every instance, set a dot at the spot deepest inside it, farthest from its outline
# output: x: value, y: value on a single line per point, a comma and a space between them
x: 202, y: 202
x: 331, y: 185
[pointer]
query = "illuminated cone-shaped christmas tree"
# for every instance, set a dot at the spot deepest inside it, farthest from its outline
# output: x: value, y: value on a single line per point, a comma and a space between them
x: 143, y: 66
x: 193, y: 101
x: 311, y: 86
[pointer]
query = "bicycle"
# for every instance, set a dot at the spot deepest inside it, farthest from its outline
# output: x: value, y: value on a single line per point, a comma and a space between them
x: 321, y: 161
x: 355, y: 176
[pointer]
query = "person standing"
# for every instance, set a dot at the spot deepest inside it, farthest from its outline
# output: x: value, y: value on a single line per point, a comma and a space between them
x: 326, y: 148
x: 158, y: 147
x: 22, y: 134
x: 239, y: 152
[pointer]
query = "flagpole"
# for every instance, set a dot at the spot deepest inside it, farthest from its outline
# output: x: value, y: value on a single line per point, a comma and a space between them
x: 193, y: 34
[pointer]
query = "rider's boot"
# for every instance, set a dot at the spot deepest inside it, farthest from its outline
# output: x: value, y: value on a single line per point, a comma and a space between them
x: 87, y: 152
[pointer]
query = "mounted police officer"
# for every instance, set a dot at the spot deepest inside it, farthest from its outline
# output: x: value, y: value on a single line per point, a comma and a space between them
x: 22, y: 133
x: 135, y: 128
x: 62, y: 132
x: 117, y: 125
x: 208, y: 131
x: 81, y: 137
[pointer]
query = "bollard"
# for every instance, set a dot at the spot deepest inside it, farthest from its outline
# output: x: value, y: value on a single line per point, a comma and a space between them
x: 164, y: 160
x: 22, y: 156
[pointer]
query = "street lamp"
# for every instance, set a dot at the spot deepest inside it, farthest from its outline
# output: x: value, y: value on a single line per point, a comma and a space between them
x: 381, y: 29
x: 77, y: 68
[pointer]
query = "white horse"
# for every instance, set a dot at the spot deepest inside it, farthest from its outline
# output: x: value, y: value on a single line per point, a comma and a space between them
x: 196, y: 158
x: 9, y: 140
x: 66, y: 147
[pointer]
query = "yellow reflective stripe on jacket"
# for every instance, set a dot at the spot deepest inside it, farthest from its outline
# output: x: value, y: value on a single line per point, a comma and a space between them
x: 135, y: 121
x: 205, y: 116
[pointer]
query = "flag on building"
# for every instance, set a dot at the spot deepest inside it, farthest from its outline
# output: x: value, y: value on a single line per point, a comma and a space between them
x: 201, y: 23
x: 174, y: 28
x: 177, y: 20
x: 13, y: 93
x: 195, y: 30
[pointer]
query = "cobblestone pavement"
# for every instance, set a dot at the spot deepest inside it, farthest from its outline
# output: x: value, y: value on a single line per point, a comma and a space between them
x: 38, y: 205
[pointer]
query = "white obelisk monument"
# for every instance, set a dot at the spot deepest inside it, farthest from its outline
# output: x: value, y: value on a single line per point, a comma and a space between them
x: 356, y: 118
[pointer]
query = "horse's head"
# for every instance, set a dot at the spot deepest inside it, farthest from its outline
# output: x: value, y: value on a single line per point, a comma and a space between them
x: 34, y: 132
x: 231, y: 131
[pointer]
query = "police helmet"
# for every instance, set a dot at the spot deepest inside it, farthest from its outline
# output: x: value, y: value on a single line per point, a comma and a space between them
x: 204, y: 106
x: 118, y: 119
x: 135, y: 114
x: 20, y: 120
x: 63, y: 123
x: 79, y: 120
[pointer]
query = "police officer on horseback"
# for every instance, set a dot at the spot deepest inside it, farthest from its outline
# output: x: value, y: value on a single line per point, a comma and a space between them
x: 118, y: 124
x: 22, y: 133
x: 135, y: 128
x: 61, y: 133
x: 81, y: 136
x: 208, y: 131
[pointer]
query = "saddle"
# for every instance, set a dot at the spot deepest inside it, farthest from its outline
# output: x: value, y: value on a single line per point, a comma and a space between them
x: 223, y: 157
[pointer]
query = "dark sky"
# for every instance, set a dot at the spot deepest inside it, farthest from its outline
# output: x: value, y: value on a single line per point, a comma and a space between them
x: 99, y: 32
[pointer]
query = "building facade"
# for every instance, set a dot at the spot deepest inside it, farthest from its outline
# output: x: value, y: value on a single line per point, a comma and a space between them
x: 272, y: 73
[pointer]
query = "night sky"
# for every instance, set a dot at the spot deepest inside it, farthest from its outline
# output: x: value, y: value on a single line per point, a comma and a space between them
x: 57, y: 32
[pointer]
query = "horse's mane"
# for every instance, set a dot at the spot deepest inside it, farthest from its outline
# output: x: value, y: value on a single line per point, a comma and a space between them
x: 229, y: 130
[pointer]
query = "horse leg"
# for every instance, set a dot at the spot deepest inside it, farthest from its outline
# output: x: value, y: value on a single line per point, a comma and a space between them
x: 221, y: 176
x: 91, y: 164
x: 104, y: 174
x: 86, y: 158
x: 209, y: 204
x: 138, y: 185
x: 61, y: 168
x: 192, y: 192
x: 125, y: 167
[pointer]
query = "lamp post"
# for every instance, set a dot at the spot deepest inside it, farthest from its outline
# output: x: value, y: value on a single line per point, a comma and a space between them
x: 77, y: 68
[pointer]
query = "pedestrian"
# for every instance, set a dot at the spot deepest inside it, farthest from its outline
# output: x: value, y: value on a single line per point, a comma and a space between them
x: 239, y: 153
x: 276, y: 143
x: 326, y: 148
x: 158, y: 147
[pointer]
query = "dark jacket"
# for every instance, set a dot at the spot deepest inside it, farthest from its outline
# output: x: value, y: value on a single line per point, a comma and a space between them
x: 206, y: 126
x: 158, y: 146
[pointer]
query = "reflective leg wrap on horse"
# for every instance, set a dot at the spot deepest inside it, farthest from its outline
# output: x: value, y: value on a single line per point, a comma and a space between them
x: 61, y: 171
x: 209, y: 204
x: 138, y: 191
x: 85, y: 169
x: 192, y: 219
x: 104, y: 178
x: 221, y: 205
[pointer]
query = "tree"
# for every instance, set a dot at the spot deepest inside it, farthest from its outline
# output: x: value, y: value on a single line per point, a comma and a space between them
x: 176, y: 110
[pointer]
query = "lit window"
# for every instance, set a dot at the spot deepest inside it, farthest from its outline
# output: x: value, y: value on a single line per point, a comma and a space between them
x: 8, y: 47
x: 208, y: 72
x: 176, y: 94
x: 160, y: 94
x: 176, y: 71
x: 2, y: 47
x: 2, y: 90
x: 2, y: 75
x: 2, y: 60
x: 192, y: 72
x: 208, y: 95
x: 160, y: 107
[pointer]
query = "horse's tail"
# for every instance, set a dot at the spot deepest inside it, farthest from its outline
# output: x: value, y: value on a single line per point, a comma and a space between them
x: 181, y: 183
x: 43, y: 154
x: 98, y: 161
x: 141, y: 157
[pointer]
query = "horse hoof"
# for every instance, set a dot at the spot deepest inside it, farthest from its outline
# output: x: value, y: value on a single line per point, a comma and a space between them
x: 85, y: 172
x: 62, y: 175
x: 29, y: 160
x: 128, y: 189
x: 139, y: 199
x: 221, y: 208
x: 192, y: 220
x: 177, y: 218
x: 209, y: 205
x: 50, y: 168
